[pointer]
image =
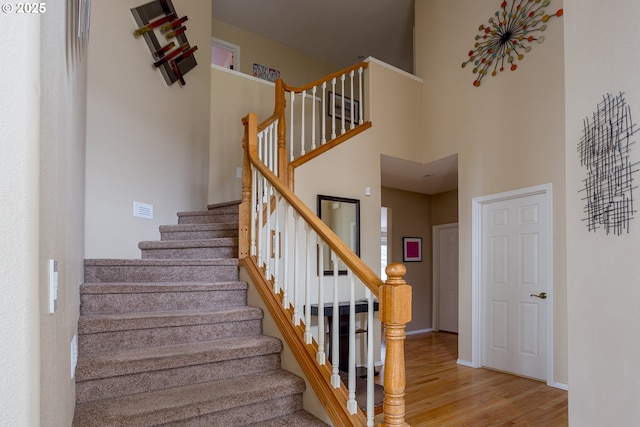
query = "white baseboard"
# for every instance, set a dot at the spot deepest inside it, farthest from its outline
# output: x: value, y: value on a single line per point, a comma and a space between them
x: 420, y: 331
x: 465, y: 363
x: 561, y: 386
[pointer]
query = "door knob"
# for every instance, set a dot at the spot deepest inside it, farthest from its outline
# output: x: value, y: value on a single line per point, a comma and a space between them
x: 541, y: 295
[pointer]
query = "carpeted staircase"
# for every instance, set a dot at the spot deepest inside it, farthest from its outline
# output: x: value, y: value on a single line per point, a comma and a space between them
x: 169, y: 339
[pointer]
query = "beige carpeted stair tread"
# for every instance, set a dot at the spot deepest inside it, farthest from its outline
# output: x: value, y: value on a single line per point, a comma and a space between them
x: 152, y: 287
x: 96, y: 323
x: 202, y: 243
x: 129, y: 361
x: 165, y: 406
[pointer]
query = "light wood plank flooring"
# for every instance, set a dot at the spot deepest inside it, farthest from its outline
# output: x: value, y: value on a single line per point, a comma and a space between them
x: 441, y: 393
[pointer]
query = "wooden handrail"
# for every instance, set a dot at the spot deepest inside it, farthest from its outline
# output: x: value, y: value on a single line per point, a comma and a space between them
x: 355, y: 264
x: 328, y: 78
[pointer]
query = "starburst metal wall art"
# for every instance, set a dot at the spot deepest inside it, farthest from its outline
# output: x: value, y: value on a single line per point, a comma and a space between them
x: 508, y: 36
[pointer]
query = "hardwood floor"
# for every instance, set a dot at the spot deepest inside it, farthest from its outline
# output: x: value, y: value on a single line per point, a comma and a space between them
x: 441, y: 393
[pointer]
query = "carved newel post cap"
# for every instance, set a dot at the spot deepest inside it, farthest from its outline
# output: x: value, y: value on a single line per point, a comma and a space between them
x: 395, y: 270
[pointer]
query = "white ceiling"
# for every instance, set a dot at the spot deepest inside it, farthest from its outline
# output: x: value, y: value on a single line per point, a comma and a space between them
x: 427, y: 178
x: 342, y: 33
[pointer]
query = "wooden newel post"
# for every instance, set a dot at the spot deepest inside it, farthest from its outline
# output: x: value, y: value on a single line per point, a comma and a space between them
x: 244, y: 214
x: 395, y: 313
x: 283, y: 161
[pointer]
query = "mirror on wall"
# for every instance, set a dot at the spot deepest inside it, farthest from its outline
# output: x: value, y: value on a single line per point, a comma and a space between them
x: 342, y: 215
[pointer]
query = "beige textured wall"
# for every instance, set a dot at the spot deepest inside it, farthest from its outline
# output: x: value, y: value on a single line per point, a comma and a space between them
x: 146, y: 141
x: 42, y: 187
x: 508, y: 133
x: 62, y: 168
x: 233, y: 96
x: 444, y: 208
x: 296, y: 68
x: 411, y: 217
x: 602, y: 270
x: 19, y: 175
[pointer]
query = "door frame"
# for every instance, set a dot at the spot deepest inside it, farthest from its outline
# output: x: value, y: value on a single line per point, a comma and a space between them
x: 436, y: 272
x: 476, y: 269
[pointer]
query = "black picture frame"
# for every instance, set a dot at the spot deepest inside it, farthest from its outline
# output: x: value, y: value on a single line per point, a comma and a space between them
x: 335, y: 109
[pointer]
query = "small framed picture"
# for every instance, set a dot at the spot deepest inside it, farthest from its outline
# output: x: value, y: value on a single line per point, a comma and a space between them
x: 336, y: 100
x: 411, y: 249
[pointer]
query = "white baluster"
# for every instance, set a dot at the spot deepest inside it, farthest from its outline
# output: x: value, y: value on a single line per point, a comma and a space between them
x: 323, y: 114
x: 313, y: 118
x: 370, y: 367
x: 267, y: 233
x: 276, y: 247
x: 302, y: 118
x: 321, y: 356
x: 259, y: 223
x: 360, y: 115
x: 291, y: 138
x: 353, y: 102
x: 275, y: 147
x: 342, y: 128
x: 333, y: 108
x: 335, y: 327
x: 254, y: 208
x: 285, y: 258
x: 271, y: 148
x: 307, y: 289
x: 296, y: 270
x: 352, y: 405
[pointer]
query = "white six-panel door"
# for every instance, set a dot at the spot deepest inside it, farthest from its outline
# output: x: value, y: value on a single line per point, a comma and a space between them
x: 514, y: 287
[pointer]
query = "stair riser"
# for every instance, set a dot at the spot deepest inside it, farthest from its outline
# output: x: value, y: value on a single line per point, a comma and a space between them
x: 198, y: 235
x: 208, y: 218
x: 245, y: 415
x: 191, y: 253
x: 169, y: 273
x: 174, y: 377
x: 138, y: 338
x: 224, y: 209
x: 160, y: 301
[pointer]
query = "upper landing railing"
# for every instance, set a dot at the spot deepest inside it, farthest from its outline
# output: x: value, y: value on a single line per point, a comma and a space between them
x: 282, y: 244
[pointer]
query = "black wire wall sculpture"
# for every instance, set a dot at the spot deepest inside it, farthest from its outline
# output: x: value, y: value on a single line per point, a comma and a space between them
x: 604, y: 151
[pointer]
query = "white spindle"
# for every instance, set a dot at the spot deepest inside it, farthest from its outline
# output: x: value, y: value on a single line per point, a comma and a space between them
x: 370, y: 367
x: 352, y: 111
x: 259, y: 224
x: 342, y: 128
x: 335, y: 327
x: 254, y: 208
x: 307, y: 289
x: 296, y: 270
x: 360, y: 116
x: 333, y: 108
x: 313, y: 117
x: 323, y: 114
x: 321, y: 355
x: 276, y: 246
x: 303, y: 95
x: 267, y: 233
x: 352, y: 405
x: 291, y: 138
x: 287, y: 275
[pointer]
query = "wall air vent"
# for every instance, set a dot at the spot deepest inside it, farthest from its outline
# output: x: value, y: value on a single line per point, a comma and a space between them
x: 142, y: 210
